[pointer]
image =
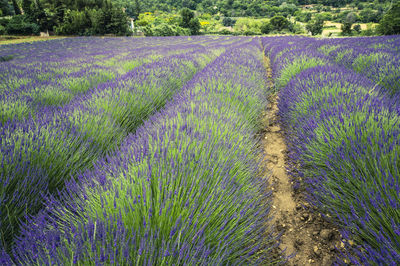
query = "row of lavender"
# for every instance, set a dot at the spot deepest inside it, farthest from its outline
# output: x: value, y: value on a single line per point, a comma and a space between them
x: 186, y: 188
x: 378, y: 58
x: 344, y: 140
x: 39, y: 154
x: 54, y: 73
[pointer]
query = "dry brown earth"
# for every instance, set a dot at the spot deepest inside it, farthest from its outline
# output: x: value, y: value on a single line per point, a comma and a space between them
x: 305, y: 235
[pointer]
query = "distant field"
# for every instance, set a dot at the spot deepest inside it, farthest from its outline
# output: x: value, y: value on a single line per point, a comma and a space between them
x: 146, y: 151
x: 334, y: 28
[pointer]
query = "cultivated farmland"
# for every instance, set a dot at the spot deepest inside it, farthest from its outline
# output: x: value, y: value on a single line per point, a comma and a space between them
x: 148, y: 151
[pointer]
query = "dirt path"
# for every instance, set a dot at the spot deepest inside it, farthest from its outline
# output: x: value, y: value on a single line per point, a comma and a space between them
x: 310, y: 239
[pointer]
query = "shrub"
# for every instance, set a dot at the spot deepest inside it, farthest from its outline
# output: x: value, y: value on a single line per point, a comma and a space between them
x: 164, y: 30
x: 370, y: 31
x: 266, y: 28
x: 279, y: 23
x: 357, y: 28
x: 296, y: 28
x: 250, y: 33
x: 228, y: 22
x: 19, y: 26
x: 303, y: 16
x: 346, y: 28
x: 368, y: 15
x: 225, y: 32
x: 194, y: 26
x: 186, y: 16
x: 4, y: 21
x: 181, y: 31
x: 315, y: 26
x: 390, y: 23
x: 74, y: 23
x: 147, y: 30
x: 189, y: 21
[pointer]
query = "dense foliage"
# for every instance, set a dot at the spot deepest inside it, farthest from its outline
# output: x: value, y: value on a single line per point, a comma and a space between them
x: 68, y: 18
x: 99, y: 17
x: 390, y: 23
x: 315, y: 26
x: 235, y: 8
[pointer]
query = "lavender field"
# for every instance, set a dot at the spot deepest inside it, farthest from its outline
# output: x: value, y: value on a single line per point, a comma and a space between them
x: 146, y: 151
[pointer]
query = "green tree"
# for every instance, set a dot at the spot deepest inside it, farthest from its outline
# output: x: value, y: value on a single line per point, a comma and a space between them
x: 228, y: 22
x: 165, y: 29
x: 266, y: 28
x: 194, y: 26
x: 315, y: 26
x: 5, y: 8
x: 279, y: 23
x: 17, y: 11
x: 134, y: 9
x: 138, y: 9
x: 189, y: 21
x: 75, y: 23
x: 186, y: 16
x: 390, y: 23
x: 368, y: 15
x: 303, y: 16
x: 118, y: 22
x: 357, y: 28
x: 27, y: 7
x: 18, y: 25
x: 289, y: 9
x: 189, y: 4
x: 346, y: 28
x: 347, y: 24
x: 39, y: 16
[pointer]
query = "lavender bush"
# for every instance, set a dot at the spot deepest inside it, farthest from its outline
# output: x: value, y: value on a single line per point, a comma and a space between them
x: 344, y: 133
x: 41, y: 151
x: 54, y: 73
x: 184, y: 189
x: 377, y: 58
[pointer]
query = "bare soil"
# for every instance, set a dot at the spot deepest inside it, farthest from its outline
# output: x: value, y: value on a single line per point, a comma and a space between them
x: 306, y: 237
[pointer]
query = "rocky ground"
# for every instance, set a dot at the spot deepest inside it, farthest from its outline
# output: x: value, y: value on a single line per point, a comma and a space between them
x: 306, y: 236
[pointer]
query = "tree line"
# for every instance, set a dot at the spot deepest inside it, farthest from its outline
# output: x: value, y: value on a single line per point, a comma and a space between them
x: 64, y: 17
x: 240, y: 8
x: 99, y: 17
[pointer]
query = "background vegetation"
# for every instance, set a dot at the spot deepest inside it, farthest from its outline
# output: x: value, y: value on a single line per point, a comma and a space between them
x: 193, y: 17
